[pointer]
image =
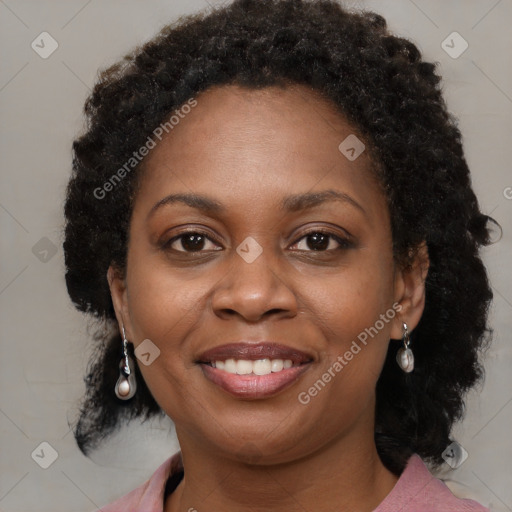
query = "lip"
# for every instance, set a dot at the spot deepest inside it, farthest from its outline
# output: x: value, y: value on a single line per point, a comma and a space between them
x: 254, y: 387
x: 253, y: 351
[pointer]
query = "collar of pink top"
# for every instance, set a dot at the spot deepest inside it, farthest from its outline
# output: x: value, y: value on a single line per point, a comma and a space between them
x: 415, y: 491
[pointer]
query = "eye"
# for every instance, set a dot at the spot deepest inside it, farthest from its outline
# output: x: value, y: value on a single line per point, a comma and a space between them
x: 323, y: 241
x: 190, y: 241
x: 318, y: 241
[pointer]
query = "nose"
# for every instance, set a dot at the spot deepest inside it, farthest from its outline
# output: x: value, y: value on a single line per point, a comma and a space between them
x: 254, y: 290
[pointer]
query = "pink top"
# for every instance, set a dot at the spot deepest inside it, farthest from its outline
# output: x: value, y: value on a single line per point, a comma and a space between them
x: 415, y: 491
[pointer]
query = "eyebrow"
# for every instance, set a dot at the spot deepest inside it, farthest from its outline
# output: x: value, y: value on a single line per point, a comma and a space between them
x: 291, y: 203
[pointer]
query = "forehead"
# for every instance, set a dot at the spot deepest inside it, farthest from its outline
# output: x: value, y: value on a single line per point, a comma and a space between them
x: 229, y: 115
x: 238, y: 143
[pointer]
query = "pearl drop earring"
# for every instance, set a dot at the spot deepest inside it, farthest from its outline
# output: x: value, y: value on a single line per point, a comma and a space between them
x: 126, y: 385
x: 405, y: 357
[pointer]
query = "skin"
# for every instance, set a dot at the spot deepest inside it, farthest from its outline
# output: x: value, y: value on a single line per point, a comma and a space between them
x: 250, y: 149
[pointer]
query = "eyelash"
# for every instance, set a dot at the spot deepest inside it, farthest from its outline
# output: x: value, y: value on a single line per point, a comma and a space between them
x: 344, y: 243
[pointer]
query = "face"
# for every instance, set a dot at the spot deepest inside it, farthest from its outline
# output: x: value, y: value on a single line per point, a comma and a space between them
x: 282, y: 239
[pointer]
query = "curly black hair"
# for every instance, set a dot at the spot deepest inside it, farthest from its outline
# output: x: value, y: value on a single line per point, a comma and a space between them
x: 381, y: 85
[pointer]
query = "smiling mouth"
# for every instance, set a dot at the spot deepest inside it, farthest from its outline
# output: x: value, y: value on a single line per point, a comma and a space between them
x: 254, y: 371
x: 247, y: 367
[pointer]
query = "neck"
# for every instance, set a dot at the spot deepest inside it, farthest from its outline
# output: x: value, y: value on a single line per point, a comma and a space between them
x: 347, y: 474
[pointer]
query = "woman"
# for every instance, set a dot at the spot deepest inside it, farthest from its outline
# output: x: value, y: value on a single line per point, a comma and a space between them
x: 272, y: 206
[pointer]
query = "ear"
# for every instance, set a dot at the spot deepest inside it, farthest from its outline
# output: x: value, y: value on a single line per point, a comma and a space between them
x: 410, y: 291
x: 118, y: 292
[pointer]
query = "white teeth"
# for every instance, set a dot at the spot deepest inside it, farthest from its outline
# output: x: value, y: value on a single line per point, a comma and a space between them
x: 244, y: 367
x: 277, y: 365
x: 258, y: 367
x: 230, y: 366
x: 262, y: 367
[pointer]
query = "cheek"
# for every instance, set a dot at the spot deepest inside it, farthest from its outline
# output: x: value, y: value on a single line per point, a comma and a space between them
x: 353, y: 310
x: 352, y: 299
x: 164, y: 309
x: 162, y: 303
x: 165, y: 315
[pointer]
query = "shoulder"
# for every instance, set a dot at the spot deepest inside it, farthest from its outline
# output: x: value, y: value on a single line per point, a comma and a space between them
x: 149, y: 497
x: 417, y: 490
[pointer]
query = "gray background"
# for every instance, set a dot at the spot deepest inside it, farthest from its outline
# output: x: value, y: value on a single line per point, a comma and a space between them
x: 44, y: 340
